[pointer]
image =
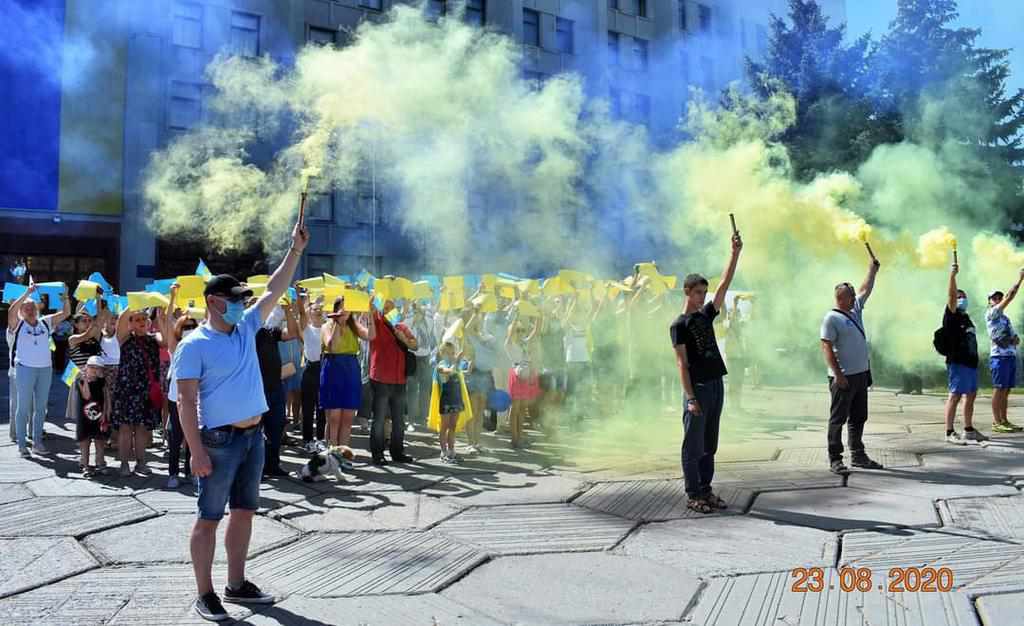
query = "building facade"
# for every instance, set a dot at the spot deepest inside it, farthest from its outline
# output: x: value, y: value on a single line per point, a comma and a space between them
x: 131, y: 77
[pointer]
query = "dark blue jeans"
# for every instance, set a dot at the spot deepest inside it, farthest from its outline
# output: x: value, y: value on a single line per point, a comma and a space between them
x: 700, y: 438
x: 273, y: 429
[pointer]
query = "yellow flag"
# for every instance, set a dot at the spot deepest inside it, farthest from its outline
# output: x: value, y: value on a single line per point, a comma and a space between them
x: 329, y: 279
x: 190, y: 287
x: 356, y: 301
x: 86, y: 290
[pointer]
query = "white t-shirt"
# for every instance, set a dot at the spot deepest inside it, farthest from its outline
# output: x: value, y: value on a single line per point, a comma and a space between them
x: 10, y: 343
x: 311, y: 343
x: 33, y: 344
x: 111, y: 351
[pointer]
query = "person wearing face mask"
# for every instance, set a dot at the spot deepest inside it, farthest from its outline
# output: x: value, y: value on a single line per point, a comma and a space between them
x: 961, y: 343
x: 30, y: 355
x: 221, y: 406
x: 1003, y: 355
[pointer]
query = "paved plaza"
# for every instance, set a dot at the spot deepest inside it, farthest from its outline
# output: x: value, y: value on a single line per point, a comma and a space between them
x: 582, y: 531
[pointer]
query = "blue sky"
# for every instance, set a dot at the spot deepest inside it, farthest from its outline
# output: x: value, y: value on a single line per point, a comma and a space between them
x: 1001, y: 23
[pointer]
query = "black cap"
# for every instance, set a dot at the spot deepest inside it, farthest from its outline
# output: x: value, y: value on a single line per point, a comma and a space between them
x: 226, y: 286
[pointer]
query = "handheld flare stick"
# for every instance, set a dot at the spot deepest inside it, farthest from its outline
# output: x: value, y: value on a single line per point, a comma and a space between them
x: 871, y: 253
x: 302, y: 208
x: 732, y: 219
x: 955, y: 261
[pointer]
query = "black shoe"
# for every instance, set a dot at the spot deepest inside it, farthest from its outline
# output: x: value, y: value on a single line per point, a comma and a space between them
x: 863, y: 462
x: 839, y: 468
x: 208, y: 607
x: 379, y: 460
x: 274, y: 472
x: 401, y: 458
x: 248, y: 593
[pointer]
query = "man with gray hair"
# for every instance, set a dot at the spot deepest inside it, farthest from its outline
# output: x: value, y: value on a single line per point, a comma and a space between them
x: 845, y: 346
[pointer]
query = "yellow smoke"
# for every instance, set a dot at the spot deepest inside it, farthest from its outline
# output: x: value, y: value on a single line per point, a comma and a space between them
x: 935, y: 247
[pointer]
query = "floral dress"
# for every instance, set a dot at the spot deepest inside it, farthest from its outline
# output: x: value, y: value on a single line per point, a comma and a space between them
x: 140, y: 362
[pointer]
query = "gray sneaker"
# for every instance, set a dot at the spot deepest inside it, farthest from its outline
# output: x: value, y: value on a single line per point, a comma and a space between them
x: 956, y: 439
x: 974, y: 435
x: 39, y: 448
x: 24, y: 452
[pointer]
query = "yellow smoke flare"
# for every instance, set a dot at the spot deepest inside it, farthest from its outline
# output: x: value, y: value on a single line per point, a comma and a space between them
x: 934, y: 246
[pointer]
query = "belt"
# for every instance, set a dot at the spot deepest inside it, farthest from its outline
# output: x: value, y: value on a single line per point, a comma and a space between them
x: 233, y: 428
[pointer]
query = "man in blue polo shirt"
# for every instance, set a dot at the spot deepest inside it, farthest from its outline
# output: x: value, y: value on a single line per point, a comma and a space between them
x: 220, y: 402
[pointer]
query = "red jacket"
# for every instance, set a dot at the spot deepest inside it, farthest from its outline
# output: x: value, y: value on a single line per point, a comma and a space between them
x: 387, y: 355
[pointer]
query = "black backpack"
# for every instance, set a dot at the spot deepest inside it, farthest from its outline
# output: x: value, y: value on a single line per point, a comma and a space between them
x: 940, y: 339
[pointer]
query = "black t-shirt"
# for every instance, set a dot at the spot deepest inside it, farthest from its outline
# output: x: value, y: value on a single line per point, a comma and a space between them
x: 269, y: 357
x: 962, y: 338
x: 97, y: 394
x: 695, y: 331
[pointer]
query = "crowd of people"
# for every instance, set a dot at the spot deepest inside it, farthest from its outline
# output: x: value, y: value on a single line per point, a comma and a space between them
x: 222, y: 376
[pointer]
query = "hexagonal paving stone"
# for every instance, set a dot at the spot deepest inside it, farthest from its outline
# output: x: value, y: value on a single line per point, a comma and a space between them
x: 845, y: 508
x: 348, y: 511
x: 1001, y: 516
x: 366, y: 478
x: 596, y: 588
x: 731, y: 545
x: 768, y: 599
x: 14, y: 469
x: 775, y: 476
x: 656, y: 500
x: 156, y: 594
x: 974, y: 460
x: 1001, y: 609
x: 13, y: 493
x: 979, y: 565
x: 352, y: 564
x: 923, y: 483
x: 536, y: 528
x: 69, y: 517
x: 58, y: 486
x: 134, y: 543
x: 889, y: 457
x: 278, y: 492
x: 498, y: 489
x: 422, y: 610
x: 28, y: 562
x: 181, y: 500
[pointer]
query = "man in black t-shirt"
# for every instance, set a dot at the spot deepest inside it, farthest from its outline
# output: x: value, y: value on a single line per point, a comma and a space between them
x: 701, y: 369
x: 961, y: 363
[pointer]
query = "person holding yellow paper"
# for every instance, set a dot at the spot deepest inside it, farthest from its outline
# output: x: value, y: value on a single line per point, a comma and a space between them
x: 449, y: 402
x: 523, y: 382
x: 340, y: 378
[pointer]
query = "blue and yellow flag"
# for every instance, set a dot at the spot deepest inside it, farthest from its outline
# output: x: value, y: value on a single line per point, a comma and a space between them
x: 70, y: 374
x: 202, y: 270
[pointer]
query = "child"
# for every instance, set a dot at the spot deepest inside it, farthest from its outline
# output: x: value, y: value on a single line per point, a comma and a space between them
x: 523, y: 382
x: 93, y: 416
x: 448, y: 381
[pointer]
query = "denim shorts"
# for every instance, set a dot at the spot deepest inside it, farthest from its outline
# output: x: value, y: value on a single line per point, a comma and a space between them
x: 237, y: 460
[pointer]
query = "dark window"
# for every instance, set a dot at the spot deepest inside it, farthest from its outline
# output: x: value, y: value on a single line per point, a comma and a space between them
x: 436, y: 8
x: 317, y: 264
x: 376, y: 5
x: 613, y: 4
x: 185, y: 110
x: 705, y: 18
x: 322, y: 36
x: 682, y: 15
x: 640, y: 47
x: 476, y: 12
x: 641, y: 8
x: 320, y: 207
x: 531, y: 27
x: 368, y: 208
x: 245, y: 34
x: 188, y: 25
x: 613, y: 48
x: 564, y: 37
x: 535, y: 79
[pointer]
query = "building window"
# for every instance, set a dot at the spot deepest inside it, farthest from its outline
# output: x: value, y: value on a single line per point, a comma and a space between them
x: 318, y: 264
x: 641, y: 8
x: 705, y: 18
x: 436, y: 8
x: 367, y: 209
x: 613, y: 48
x: 613, y: 4
x: 376, y: 5
x: 640, y: 47
x: 531, y: 27
x: 320, y: 207
x: 564, y: 38
x: 476, y: 12
x: 682, y: 15
x: 188, y: 25
x: 245, y: 34
x: 322, y: 36
x: 186, y: 106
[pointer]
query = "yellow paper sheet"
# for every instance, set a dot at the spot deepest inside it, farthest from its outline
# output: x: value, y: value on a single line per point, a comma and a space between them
x: 138, y: 300
x: 453, y: 332
x: 454, y: 283
x: 488, y: 281
x: 385, y: 288
x: 486, y: 302
x: 258, y: 289
x: 86, y: 290
x: 402, y: 288
x: 312, y: 283
x: 422, y: 290
x: 527, y: 309
x: 190, y: 287
x: 451, y: 301
x: 196, y: 313
x: 259, y: 279
x: 329, y: 279
x: 356, y: 301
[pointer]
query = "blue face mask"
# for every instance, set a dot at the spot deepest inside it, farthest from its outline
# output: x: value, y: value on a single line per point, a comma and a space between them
x: 233, y: 313
x: 961, y: 304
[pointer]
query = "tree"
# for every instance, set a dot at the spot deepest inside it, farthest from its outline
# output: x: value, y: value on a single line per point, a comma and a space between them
x: 835, y: 128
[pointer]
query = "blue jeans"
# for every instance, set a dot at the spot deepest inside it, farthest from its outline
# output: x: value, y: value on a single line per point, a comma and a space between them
x: 273, y: 428
x: 700, y: 438
x: 237, y: 460
x: 33, y: 388
x: 12, y: 392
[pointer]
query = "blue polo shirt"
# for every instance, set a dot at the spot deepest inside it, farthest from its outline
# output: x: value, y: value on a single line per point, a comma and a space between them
x: 228, y: 370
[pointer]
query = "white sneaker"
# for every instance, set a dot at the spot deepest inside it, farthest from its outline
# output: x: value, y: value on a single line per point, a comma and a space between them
x: 974, y: 435
x: 956, y: 439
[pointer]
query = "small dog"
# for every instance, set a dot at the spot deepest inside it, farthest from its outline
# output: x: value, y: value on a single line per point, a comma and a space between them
x: 321, y: 464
